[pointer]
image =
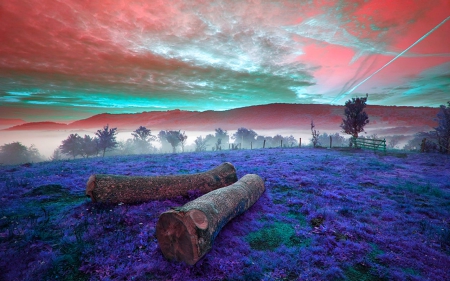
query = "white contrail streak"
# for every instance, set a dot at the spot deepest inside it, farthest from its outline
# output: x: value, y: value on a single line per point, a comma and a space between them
x: 396, y: 57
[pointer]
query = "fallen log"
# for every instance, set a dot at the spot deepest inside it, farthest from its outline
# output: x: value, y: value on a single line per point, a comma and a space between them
x: 187, y: 233
x: 132, y: 189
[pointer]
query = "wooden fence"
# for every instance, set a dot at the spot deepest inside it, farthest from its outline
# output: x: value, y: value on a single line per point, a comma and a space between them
x: 369, y: 143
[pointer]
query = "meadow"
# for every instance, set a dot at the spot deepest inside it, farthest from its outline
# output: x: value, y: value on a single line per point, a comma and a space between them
x: 326, y: 214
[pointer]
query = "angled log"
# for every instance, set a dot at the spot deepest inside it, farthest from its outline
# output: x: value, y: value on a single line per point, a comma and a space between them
x: 187, y: 233
x: 133, y: 189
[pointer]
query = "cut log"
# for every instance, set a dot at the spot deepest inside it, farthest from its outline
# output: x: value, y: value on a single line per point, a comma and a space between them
x: 187, y: 233
x: 133, y: 189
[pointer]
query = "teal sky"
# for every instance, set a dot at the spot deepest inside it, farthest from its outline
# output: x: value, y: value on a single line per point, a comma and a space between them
x: 73, y: 59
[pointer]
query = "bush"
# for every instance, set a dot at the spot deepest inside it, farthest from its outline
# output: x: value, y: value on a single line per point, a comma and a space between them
x: 16, y: 153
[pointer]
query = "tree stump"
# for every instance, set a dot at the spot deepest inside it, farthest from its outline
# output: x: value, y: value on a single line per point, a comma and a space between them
x: 133, y: 189
x: 187, y: 233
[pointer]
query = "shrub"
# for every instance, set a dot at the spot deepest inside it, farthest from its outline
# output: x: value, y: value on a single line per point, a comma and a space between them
x: 16, y: 153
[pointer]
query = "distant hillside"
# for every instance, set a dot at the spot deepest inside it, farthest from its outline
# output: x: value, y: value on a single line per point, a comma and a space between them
x: 389, y: 119
x: 6, y: 123
x: 38, y: 126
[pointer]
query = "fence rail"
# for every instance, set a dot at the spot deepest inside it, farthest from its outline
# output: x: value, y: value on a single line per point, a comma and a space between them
x: 369, y: 143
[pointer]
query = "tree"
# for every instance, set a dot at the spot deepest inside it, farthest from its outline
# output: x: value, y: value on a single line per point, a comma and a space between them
x: 244, y: 135
x: 422, y: 141
x: 106, y: 138
x: 13, y: 153
x: 56, y: 155
x: 72, y: 145
x: 394, y: 141
x: 200, y: 144
x: 165, y: 145
x: 276, y: 140
x: 315, y: 135
x: 183, y: 138
x: 89, y: 146
x: 174, y: 138
x: 142, y: 138
x: 355, y: 116
x: 443, y: 128
x: 33, y: 154
x: 291, y: 141
x: 224, y: 138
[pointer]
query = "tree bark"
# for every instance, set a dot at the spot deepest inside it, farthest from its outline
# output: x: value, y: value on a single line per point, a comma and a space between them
x: 187, y: 233
x: 133, y: 189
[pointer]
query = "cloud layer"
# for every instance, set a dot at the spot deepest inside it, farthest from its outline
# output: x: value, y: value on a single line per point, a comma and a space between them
x: 72, y: 58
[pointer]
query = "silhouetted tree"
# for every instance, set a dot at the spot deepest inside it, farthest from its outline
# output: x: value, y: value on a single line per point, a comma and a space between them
x: 142, y: 138
x: 393, y: 142
x: 200, y: 144
x: 106, y: 138
x: 57, y: 155
x: 443, y: 128
x: 162, y: 138
x: 291, y: 141
x: 337, y: 139
x: 183, y: 138
x: 218, y: 144
x: 244, y: 135
x: 72, y: 145
x: 89, y: 146
x: 422, y: 141
x: 315, y: 135
x: 16, y: 153
x: 259, y: 141
x: 33, y: 154
x: 276, y: 140
x: 174, y: 138
x: 355, y: 116
x: 210, y: 140
x: 224, y: 138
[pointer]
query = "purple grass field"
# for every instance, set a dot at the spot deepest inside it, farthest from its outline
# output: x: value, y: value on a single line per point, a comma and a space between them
x: 334, y: 214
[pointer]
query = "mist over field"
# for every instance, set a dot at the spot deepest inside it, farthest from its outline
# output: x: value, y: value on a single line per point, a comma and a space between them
x: 48, y: 141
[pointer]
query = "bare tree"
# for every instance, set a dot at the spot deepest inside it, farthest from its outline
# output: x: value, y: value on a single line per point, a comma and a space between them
x: 443, y: 128
x: 315, y: 135
x: 355, y: 116
x: 200, y: 144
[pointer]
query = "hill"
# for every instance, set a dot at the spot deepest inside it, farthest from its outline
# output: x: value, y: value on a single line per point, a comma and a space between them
x: 384, y: 119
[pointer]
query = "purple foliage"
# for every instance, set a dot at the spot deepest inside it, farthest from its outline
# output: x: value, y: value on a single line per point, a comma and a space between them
x: 325, y: 215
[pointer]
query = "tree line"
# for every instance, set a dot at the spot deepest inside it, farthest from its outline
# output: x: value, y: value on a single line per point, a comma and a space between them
x: 437, y: 140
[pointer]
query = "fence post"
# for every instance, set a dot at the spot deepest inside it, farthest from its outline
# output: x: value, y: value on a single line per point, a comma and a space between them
x: 264, y: 144
x: 300, y: 142
x: 281, y: 144
x: 331, y: 141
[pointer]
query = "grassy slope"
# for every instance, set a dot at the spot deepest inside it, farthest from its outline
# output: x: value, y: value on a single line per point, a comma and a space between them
x: 326, y: 214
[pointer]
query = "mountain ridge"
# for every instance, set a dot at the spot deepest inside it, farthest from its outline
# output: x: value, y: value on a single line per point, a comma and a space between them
x: 258, y: 117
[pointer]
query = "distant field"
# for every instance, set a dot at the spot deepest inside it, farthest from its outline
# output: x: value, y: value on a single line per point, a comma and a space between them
x: 326, y: 215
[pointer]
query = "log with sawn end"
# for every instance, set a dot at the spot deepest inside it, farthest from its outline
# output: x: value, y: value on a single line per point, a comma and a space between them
x: 133, y: 189
x: 187, y: 233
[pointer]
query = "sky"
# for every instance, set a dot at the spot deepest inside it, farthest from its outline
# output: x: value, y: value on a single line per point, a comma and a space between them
x: 71, y: 59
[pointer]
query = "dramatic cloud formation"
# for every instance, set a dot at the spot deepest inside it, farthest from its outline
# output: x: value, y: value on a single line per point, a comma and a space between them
x: 75, y: 58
